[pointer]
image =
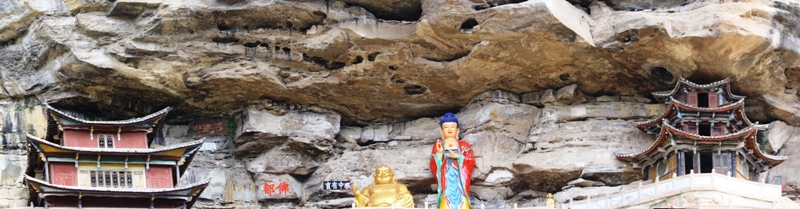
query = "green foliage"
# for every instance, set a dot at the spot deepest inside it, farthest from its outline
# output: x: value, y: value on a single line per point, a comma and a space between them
x: 232, y: 127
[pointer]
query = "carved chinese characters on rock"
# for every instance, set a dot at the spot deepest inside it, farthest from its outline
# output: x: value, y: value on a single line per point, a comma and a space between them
x: 211, y: 127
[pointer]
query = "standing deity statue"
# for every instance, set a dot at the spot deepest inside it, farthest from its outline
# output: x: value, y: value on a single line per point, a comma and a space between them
x: 384, y: 191
x: 451, y: 163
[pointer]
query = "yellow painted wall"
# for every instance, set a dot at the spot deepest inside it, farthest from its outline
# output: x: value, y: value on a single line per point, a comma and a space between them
x: 739, y: 168
x: 138, y: 173
x: 672, y: 167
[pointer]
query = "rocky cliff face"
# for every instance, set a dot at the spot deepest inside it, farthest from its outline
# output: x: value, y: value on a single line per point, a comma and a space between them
x: 302, y: 92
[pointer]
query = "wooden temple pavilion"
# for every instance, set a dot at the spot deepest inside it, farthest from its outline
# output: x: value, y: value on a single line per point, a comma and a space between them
x: 704, y: 129
x: 107, y: 164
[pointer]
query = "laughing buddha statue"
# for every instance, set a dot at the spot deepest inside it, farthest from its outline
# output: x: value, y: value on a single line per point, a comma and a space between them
x: 384, y: 192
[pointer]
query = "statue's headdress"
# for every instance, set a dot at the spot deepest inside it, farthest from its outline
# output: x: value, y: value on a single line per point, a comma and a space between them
x: 448, y: 117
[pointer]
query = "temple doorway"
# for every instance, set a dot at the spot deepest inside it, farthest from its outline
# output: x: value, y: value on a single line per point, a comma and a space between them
x: 688, y: 162
x: 706, y: 162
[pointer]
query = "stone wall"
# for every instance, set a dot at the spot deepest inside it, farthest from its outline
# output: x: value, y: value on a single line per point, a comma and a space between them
x: 17, y: 117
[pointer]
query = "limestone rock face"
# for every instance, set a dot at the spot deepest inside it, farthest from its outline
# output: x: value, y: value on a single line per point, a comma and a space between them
x: 785, y: 139
x: 17, y: 117
x: 406, y: 60
x: 260, y: 130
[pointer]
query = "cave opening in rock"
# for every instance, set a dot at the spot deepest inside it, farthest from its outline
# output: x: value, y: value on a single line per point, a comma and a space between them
x: 467, y: 25
x: 335, y: 65
x: 371, y: 56
x: 414, y: 89
x: 319, y: 13
x: 406, y: 10
x: 662, y: 73
x: 480, y: 7
x: 359, y: 59
x: 225, y: 40
x: 251, y: 44
x: 564, y: 77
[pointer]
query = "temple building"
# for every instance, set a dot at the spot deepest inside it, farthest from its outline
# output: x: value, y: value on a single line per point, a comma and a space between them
x: 106, y: 164
x: 703, y: 130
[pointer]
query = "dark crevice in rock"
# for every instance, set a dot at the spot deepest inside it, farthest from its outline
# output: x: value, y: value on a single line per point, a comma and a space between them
x: 414, y: 89
x: 392, y: 68
x: 493, y: 3
x: 792, y: 79
x: 359, y: 59
x: 225, y: 40
x: 322, y: 62
x: 371, y: 56
x: 251, y: 44
x: 480, y: 7
x: 639, y: 5
x: 13, y: 40
x: 252, y: 18
x: 335, y: 65
x: 662, y: 74
x: 448, y: 58
x: 564, y: 77
x: 265, y: 45
x: 467, y: 25
x: 628, y: 36
x: 320, y: 14
x: 403, y: 10
x: 398, y: 80
x: 372, y: 143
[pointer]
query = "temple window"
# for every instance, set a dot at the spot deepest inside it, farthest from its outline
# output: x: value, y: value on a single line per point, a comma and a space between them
x: 745, y: 170
x: 722, y: 162
x: 702, y: 99
x: 718, y: 131
x: 704, y: 130
x: 661, y: 169
x: 691, y: 128
x: 116, y: 179
x: 105, y: 140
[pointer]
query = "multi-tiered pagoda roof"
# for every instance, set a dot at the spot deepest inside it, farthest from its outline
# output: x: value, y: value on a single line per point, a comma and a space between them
x: 83, y: 162
x: 702, y: 117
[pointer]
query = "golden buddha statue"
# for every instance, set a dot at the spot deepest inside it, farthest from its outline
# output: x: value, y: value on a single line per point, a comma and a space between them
x: 551, y: 203
x: 384, y: 191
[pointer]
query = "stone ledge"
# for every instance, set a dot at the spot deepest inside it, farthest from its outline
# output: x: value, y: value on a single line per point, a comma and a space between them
x: 132, y: 7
